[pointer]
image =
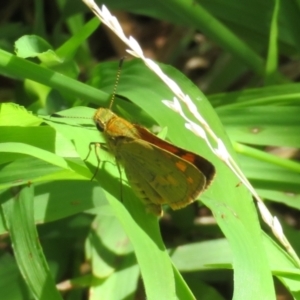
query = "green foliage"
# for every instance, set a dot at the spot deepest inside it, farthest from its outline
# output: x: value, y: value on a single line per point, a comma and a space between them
x: 45, y: 176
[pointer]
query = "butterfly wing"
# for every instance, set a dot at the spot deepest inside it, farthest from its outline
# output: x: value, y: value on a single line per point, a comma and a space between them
x: 158, y: 176
x: 205, y: 166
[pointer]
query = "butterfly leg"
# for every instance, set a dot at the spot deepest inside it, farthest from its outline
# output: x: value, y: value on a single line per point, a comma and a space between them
x: 121, y: 185
x: 96, y: 146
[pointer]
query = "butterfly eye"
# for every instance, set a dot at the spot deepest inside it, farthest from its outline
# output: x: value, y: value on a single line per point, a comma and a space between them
x: 100, y: 126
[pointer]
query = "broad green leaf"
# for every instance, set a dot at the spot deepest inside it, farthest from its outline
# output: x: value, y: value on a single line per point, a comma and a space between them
x: 34, y: 46
x: 230, y: 205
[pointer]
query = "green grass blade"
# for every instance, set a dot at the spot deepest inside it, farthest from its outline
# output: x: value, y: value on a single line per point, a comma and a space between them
x: 272, y: 58
x: 13, y: 66
x: 18, y: 212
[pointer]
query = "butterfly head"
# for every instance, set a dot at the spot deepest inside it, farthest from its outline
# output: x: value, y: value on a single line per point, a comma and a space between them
x: 102, y: 117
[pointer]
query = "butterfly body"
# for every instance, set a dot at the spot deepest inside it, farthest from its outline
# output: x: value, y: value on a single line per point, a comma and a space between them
x: 159, y: 172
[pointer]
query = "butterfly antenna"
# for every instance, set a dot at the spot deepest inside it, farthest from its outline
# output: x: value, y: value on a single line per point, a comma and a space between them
x: 70, y: 117
x: 117, y: 82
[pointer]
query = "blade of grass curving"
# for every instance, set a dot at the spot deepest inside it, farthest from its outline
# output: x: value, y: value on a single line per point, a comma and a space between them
x: 272, y: 57
x: 287, y: 94
x: 36, y: 152
x: 18, y: 212
x: 267, y: 157
x: 13, y: 66
x: 67, y: 50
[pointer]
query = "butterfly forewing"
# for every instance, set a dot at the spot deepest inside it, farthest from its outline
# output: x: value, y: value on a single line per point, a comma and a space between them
x: 163, y: 177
